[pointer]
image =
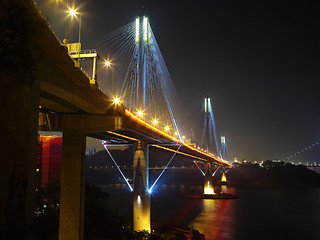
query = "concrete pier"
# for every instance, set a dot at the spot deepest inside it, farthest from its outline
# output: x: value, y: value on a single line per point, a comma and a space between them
x: 72, y: 186
x: 141, y: 197
x: 19, y: 97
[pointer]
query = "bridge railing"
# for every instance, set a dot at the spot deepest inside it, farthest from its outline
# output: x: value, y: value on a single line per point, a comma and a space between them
x: 90, y: 51
x: 46, y: 22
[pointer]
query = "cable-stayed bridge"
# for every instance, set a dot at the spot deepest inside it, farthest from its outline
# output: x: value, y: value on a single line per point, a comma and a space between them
x: 54, y: 93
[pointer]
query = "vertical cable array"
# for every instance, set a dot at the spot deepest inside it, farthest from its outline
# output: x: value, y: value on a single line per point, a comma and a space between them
x: 121, y: 49
x: 209, y: 130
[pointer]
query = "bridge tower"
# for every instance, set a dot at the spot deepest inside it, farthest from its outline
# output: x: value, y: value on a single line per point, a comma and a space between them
x: 224, y: 150
x: 141, y: 197
x: 142, y: 41
x: 207, y: 142
x: 209, y: 133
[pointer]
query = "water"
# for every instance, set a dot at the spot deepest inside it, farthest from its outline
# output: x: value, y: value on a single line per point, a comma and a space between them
x: 265, y: 213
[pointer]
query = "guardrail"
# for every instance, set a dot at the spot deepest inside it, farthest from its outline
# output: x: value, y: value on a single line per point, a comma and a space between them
x: 90, y: 51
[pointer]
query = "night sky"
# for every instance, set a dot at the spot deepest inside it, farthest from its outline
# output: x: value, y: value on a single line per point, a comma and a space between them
x: 258, y: 61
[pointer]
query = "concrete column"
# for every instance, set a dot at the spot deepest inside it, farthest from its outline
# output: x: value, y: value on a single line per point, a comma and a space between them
x: 19, y: 101
x: 141, y: 197
x: 94, y: 71
x: 72, y: 186
x: 18, y: 142
x: 208, y: 184
x: 223, y: 183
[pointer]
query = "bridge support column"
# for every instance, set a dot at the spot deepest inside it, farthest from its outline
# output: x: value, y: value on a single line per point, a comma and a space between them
x: 72, y: 186
x: 223, y: 183
x: 141, y: 197
x: 208, y: 185
x: 19, y: 99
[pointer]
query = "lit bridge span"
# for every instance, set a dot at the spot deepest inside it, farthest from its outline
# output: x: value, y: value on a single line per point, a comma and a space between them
x: 72, y: 102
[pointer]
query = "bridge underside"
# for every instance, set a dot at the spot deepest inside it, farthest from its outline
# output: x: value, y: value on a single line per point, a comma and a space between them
x: 133, y: 133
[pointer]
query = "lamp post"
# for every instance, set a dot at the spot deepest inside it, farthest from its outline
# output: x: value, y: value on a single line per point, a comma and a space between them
x: 79, y: 39
x: 108, y: 64
x: 72, y: 13
x: 65, y: 41
x: 154, y: 122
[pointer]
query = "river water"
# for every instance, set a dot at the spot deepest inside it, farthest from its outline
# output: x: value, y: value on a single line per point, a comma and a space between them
x: 258, y: 213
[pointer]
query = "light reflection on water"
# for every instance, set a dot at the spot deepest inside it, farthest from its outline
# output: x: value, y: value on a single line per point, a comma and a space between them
x: 214, y: 220
x: 259, y: 214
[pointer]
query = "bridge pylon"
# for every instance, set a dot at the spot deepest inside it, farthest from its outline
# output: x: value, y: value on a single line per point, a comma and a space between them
x: 72, y: 186
x: 223, y: 182
x: 142, y: 38
x: 208, y: 184
x: 141, y: 197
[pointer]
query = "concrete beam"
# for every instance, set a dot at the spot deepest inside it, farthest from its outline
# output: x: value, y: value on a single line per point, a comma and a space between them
x: 87, y: 123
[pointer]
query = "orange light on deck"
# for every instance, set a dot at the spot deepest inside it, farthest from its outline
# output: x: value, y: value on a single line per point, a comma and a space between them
x: 163, y: 133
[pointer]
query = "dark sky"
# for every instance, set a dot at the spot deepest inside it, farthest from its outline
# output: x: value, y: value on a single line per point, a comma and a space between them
x: 257, y: 60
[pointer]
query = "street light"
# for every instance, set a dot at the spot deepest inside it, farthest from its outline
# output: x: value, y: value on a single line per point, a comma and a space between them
x: 73, y: 13
x: 116, y: 101
x: 107, y: 63
x: 154, y: 122
x: 79, y: 38
x: 140, y: 113
x: 65, y: 41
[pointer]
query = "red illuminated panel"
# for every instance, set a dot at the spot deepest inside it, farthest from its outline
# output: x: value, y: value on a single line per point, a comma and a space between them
x: 51, y: 160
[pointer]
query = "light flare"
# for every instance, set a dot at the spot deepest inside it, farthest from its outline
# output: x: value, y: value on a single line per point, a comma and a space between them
x: 115, y: 163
